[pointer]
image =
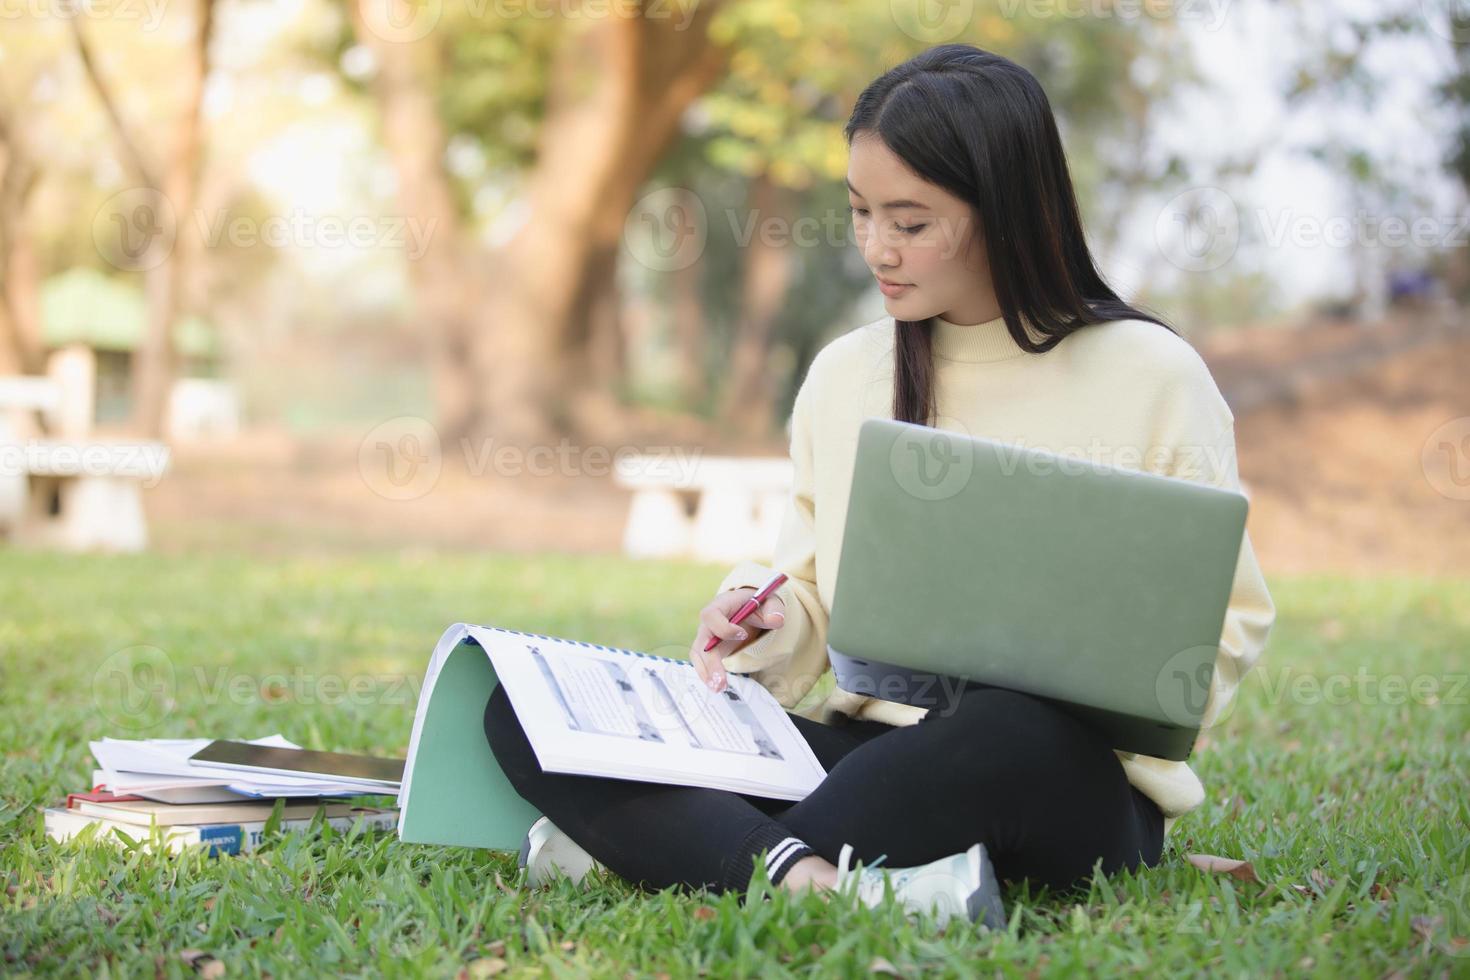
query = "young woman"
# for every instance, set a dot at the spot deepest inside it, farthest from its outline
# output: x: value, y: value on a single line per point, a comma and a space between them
x: 999, y: 325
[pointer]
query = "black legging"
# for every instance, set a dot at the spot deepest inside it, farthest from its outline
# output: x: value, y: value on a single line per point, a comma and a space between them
x: 1044, y: 794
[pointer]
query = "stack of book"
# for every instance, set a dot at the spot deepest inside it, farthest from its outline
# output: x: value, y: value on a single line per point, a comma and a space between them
x: 221, y: 795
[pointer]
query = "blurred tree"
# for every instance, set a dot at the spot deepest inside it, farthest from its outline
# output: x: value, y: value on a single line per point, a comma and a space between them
x: 20, y: 327
x: 564, y: 121
x: 538, y: 326
x: 1340, y: 75
x: 174, y: 179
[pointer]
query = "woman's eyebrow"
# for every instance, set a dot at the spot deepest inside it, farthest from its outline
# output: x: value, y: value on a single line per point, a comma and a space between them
x: 891, y: 205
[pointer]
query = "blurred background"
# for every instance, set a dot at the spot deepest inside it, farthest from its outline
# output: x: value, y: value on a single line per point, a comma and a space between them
x: 286, y: 276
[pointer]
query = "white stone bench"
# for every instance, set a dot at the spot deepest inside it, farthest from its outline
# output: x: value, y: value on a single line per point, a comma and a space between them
x: 22, y: 399
x: 737, y: 504
x: 71, y: 494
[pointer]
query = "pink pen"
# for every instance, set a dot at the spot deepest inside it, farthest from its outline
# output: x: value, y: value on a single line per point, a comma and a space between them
x: 751, y: 605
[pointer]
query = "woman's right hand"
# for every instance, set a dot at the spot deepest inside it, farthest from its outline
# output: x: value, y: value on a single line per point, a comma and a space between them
x: 714, y: 620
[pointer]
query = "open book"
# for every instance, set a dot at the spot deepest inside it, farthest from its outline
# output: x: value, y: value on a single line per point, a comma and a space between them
x: 588, y: 710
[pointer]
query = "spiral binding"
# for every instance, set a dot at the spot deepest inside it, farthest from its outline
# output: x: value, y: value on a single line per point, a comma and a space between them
x: 470, y: 638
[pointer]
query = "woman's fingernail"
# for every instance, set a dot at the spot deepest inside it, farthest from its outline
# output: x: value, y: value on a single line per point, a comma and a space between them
x: 741, y: 634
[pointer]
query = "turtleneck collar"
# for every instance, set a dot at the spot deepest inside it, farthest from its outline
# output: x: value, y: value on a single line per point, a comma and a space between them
x: 977, y: 342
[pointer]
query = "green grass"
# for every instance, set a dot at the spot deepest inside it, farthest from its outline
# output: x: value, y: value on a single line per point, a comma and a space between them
x: 1353, y: 814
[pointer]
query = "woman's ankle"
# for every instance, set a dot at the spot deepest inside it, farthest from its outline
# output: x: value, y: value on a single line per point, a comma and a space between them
x: 810, y: 872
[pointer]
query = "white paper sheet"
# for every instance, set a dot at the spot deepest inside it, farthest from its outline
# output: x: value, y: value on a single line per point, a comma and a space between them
x: 596, y: 710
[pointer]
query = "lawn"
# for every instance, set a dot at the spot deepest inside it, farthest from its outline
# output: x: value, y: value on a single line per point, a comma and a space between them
x: 1341, y: 777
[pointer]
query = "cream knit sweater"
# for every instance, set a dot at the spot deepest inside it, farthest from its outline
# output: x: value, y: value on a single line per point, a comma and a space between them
x: 1127, y: 392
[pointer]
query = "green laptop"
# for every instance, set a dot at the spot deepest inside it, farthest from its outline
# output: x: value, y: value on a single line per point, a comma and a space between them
x: 1098, y: 588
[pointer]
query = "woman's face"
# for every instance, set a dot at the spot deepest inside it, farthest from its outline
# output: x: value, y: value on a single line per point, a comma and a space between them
x: 919, y: 236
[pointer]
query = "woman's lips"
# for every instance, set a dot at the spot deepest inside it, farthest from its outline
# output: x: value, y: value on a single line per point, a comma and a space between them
x: 889, y: 289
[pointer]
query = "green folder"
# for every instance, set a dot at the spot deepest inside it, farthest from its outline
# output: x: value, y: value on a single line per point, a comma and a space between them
x: 453, y: 790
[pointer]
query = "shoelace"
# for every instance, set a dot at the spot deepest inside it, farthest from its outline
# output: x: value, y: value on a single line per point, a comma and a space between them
x: 869, y: 869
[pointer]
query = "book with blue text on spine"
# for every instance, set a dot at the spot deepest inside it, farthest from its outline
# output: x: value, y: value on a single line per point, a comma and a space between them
x: 220, y: 838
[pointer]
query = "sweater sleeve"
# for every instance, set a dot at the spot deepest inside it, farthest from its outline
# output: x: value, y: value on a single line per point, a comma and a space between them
x: 790, y: 660
x: 1248, y: 619
x: 1251, y: 611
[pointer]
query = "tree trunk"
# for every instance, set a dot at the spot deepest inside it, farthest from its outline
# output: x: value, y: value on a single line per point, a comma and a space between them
x: 618, y: 88
x: 155, y: 361
x: 447, y: 281
x: 750, y: 392
x: 21, y: 350
x: 690, y: 333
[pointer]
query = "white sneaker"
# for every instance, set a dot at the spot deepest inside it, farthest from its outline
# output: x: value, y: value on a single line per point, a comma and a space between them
x: 547, y: 851
x: 961, y: 884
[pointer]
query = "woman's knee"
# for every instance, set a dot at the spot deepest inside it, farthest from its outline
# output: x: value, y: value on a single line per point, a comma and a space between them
x: 1023, y: 737
x: 998, y: 708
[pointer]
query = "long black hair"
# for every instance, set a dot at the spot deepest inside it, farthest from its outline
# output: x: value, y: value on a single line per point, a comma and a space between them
x: 980, y: 126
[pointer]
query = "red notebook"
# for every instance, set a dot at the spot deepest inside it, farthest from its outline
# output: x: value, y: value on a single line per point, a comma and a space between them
x: 97, y: 796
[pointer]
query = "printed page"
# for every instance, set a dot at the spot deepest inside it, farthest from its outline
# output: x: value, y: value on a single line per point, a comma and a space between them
x: 597, y: 711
